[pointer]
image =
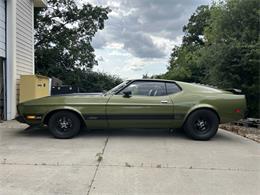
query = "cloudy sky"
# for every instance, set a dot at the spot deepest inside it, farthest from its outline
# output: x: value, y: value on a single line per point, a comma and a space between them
x: 139, y: 35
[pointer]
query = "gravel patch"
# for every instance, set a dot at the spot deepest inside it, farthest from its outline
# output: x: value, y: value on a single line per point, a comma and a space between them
x: 248, y: 132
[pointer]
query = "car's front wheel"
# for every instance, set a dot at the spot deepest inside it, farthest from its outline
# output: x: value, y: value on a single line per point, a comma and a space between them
x: 64, y: 124
x: 201, y: 124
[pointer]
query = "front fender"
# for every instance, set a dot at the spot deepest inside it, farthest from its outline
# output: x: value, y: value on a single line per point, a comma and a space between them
x: 60, y: 108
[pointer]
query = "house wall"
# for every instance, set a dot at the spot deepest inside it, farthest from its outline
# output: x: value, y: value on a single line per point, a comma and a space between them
x: 24, y: 40
x: 19, y: 47
x: 2, y: 29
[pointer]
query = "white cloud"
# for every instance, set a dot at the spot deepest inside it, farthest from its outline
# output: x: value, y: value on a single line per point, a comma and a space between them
x: 140, y: 34
x: 115, y: 45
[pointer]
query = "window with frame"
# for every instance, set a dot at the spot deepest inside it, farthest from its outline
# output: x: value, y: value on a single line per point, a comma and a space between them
x: 145, y: 88
x: 172, y: 88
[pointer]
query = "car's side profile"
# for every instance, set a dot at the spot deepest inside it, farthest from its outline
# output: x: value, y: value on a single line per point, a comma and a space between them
x: 142, y: 103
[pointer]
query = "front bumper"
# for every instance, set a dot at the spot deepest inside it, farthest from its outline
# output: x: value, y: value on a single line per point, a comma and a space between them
x: 32, y: 122
x: 20, y: 119
x: 31, y: 119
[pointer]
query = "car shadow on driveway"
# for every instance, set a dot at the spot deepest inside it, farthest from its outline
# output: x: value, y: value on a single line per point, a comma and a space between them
x: 44, y: 132
x: 145, y: 133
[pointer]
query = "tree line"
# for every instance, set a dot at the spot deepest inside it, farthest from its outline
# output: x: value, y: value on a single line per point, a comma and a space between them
x: 221, y: 47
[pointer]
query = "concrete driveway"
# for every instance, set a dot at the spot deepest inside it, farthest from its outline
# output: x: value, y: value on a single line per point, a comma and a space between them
x: 126, y: 162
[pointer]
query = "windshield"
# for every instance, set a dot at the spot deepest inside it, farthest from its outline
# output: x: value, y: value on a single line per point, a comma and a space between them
x: 117, y: 88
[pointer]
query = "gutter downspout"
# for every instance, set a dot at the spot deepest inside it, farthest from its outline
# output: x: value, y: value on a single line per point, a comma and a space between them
x: 11, y: 60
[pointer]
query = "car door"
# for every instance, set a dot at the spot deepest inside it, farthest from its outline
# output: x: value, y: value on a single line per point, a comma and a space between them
x: 145, y: 105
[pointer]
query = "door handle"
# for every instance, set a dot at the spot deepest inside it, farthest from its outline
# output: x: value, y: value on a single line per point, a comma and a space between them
x: 164, y: 102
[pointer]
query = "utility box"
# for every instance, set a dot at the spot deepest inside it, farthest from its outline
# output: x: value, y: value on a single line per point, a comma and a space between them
x: 34, y: 86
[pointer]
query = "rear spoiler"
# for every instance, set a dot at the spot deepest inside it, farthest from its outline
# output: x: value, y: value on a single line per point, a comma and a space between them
x: 234, y: 91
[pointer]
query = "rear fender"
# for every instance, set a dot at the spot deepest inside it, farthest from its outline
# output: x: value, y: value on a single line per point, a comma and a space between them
x: 201, y: 106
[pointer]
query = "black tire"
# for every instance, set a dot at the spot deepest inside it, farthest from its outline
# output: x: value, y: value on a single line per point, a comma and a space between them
x: 64, y: 124
x: 201, y: 125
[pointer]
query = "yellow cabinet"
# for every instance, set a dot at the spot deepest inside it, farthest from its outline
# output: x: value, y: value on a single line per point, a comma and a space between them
x: 33, y: 86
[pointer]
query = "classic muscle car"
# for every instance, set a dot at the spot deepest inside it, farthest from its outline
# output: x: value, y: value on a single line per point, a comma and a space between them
x: 142, y: 103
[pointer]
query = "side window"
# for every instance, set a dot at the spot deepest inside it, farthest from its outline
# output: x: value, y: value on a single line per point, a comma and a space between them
x: 172, y: 88
x: 146, y: 88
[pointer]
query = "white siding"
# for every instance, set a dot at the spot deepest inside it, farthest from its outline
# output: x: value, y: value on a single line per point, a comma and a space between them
x: 24, y: 39
x: 2, y: 29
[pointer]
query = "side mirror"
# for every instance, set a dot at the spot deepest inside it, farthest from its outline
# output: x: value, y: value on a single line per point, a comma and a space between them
x: 127, y: 94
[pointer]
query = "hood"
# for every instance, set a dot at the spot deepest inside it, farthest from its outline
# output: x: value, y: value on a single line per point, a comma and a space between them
x: 79, y: 94
x: 68, y: 99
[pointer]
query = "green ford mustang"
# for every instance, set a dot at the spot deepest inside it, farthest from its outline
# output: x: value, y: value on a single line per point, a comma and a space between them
x: 141, y: 103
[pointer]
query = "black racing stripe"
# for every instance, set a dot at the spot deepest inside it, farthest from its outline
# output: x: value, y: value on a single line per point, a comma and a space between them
x: 129, y: 117
x: 179, y: 116
x: 140, y: 117
x: 95, y: 117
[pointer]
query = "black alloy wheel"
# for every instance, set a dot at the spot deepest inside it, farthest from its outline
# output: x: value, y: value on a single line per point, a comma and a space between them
x: 201, y: 124
x: 64, y: 124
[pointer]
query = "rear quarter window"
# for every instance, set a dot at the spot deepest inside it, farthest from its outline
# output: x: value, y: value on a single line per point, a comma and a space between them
x: 172, y: 88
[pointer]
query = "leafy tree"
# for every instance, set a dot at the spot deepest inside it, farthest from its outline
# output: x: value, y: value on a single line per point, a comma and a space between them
x: 63, y: 35
x: 234, y: 36
x: 183, y: 64
x: 221, y: 47
x: 194, y: 30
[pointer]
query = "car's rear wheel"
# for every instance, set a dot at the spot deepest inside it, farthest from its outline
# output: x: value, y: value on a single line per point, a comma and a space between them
x: 201, y: 124
x: 64, y: 124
